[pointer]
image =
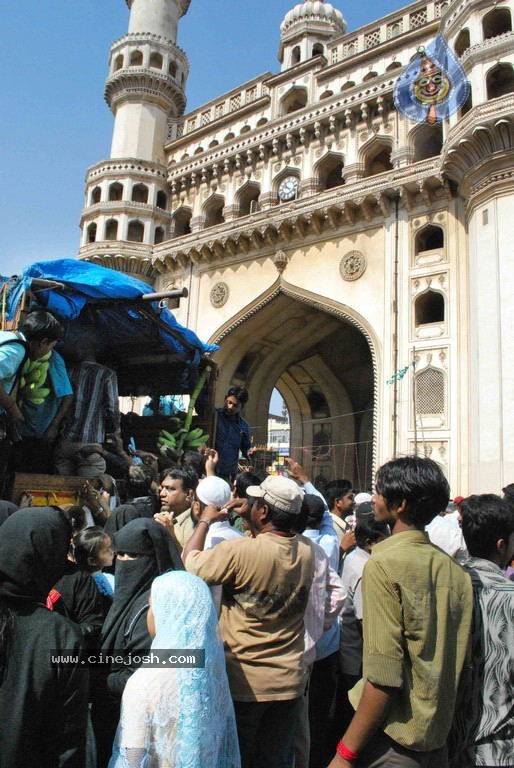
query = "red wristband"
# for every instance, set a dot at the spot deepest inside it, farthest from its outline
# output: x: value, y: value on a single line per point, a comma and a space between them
x: 346, y: 753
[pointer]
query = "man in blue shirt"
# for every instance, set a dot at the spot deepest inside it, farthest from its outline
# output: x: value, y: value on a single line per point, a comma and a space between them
x: 41, y: 425
x: 232, y: 433
x: 37, y: 335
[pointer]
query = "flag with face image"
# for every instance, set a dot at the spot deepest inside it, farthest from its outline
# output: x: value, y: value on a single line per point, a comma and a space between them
x: 433, y: 85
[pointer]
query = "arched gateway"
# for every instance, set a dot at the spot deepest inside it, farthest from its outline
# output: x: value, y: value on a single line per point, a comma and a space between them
x: 321, y: 358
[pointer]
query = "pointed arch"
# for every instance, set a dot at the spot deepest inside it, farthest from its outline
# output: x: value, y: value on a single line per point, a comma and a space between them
x: 212, y: 210
x: 496, y: 22
x: 247, y: 198
x: 181, y: 221
x: 329, y: 171
x: 136, y: 59
x: 294, y: 99
x: 305, y: 341
x: 140, y: 193
x: 426, y: 141
x: 375, y: 155
x: 111, y: 229
x: 500, y: 80
x: 115, y: 191
x: 429, y: 238
x: 429, y: 307
x: 136, y: 231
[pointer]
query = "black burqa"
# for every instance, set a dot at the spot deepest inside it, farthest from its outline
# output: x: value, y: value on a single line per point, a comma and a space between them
x: 119, y: 517
x: 7, y: 508
x: 43, y: 709
x: 125, y: 631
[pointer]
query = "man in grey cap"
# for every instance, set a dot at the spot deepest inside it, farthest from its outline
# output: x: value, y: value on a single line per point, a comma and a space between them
x: 266, y: 581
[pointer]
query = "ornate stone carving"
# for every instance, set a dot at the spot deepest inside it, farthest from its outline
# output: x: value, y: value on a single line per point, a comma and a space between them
x: 280, y: 260
x: 352, y: 266
x: 219, y: 295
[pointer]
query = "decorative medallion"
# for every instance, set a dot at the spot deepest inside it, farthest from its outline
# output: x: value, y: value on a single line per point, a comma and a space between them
x: 219, y: 295
x: 352, y: 266
x: 280, y: 261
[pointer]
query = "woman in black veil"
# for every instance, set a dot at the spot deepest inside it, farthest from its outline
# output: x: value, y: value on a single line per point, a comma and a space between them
x: 144, y: 550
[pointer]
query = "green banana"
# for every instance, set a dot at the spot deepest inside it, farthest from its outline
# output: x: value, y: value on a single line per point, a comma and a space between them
x: 194, y: 434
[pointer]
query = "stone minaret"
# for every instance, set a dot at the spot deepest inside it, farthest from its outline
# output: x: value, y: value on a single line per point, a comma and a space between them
x: 126, y: 209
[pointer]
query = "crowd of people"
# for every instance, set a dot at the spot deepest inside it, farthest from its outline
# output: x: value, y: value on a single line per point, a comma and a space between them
x: 209, y: 618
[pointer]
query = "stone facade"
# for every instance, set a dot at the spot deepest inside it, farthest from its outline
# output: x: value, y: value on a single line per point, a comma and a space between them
x: 391, y: 254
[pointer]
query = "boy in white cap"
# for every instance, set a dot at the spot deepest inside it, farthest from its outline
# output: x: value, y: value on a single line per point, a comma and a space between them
x: 215, y: 491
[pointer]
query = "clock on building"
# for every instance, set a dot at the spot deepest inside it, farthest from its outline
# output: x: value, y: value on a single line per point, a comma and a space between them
x: 288, y: 188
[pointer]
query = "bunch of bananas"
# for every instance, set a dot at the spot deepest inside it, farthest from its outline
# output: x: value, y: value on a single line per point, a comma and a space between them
x: 33, y: 377
x: 181, y: 439
x: 181, y: 436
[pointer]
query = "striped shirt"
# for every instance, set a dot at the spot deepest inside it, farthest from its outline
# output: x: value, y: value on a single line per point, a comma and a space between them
x: 484, y: 724
x: 95, y: 410
x: 417, y: 610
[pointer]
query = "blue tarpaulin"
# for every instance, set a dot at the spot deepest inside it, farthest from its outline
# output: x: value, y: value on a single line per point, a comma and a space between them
x: 116, y: 299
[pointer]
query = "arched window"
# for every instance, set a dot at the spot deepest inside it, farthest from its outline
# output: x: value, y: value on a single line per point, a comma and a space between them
x: 378, y: 159
x: 139, y: 193
x: 248, y: 198
x: 111, y: 229
x: 326, y: 94
x: 172, y: 69
x: 96, y: 195
x: 346, y: 86
x: 369, y: 76
x: 162, y: 200
x: 214, y: 212
x: 429, y: 238
x: 115, y: 191
x: 136, y: 59
x: 496, y: 22
x: 429, y: 308
x: 91, y: 233
x: 136, y: 231
x: 427, y: 141
x: 462, y: 42
x: 394, y: 65
x: 295, y: 99
x: 330, y: 172
x: 430, y: 392
x: 468, y: 104
x: 181, y: 222
x: 318, y: 49
x: 156, y: 60
x: 118, y: 62
x: 295, y: 55
x: 158, y: 236
x: 500, y: 81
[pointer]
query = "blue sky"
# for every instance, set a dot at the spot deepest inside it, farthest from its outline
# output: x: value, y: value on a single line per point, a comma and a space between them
x: 54, y: 122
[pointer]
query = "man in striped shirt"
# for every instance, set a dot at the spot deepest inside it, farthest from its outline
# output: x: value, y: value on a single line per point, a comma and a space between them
x: 93, y: 415
x: 483, y: 732
x: 417, y: 608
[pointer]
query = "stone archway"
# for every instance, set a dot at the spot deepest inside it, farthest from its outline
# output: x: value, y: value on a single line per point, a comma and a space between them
x: 322, y: 361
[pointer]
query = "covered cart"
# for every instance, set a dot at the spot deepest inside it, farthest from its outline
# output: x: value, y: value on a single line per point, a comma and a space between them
x: 134, y: 331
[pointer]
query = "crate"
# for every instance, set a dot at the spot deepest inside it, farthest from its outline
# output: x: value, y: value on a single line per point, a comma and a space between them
x: 47, y: 490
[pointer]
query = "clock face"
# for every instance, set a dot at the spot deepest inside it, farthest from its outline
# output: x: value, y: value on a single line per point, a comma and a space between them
x: 288, y: 188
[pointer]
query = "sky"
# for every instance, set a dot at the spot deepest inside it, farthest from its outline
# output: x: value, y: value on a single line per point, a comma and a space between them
x: 54, y: 122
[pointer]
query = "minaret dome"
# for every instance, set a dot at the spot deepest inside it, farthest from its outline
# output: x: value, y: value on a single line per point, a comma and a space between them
x: 306, y: 29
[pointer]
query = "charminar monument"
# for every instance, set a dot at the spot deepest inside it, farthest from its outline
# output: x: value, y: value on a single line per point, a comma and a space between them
x: 360, y: 263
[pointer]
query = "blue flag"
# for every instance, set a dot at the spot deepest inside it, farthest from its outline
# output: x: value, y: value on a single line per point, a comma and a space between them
x: 433, y: 85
